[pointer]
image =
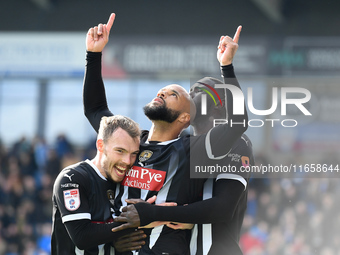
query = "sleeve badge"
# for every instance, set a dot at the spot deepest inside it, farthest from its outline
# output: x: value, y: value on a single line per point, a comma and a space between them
x: 72, y: 199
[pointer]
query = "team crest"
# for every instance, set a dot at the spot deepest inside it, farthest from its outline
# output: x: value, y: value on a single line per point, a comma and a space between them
x: 145, y: 155
x: 111, y: 196
x: 72, y: 199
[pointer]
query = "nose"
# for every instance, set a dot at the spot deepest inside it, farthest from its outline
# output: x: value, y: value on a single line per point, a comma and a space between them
x: 162, y: 94
x: 126, y: 159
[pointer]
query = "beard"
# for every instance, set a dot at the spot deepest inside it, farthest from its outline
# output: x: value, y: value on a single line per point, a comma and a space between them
x: 105, y: 166
x: 109, y: 168
x: 160, y: 113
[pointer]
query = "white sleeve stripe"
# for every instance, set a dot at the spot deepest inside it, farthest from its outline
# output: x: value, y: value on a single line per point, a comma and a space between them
x: 78, y: 216
x: 232, y: 177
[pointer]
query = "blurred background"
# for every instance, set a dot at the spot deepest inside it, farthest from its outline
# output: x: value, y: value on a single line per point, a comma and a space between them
x: 284, y: 43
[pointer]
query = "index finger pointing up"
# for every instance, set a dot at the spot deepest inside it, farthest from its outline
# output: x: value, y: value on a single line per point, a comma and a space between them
x: 237, y: 34
x: 110, y: 21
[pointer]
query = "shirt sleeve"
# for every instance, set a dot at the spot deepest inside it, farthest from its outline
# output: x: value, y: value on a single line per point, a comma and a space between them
x: 94, y: 97
x: 71, y: 196
x: 238, y: 161
x: 216, y: 209
x: 85, y: 234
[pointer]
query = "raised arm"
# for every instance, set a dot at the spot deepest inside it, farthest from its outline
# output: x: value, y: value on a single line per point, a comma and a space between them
x: 222, y: 137
x: 94, y: 97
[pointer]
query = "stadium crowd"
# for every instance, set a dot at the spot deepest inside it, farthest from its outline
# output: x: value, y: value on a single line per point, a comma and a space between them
x: 27, y: 173
x: 284, y: 216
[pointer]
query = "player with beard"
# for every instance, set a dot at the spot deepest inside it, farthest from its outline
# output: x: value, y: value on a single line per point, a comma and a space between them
x: 83, y: 193
x: 220, y: 215
x: 162, y: 167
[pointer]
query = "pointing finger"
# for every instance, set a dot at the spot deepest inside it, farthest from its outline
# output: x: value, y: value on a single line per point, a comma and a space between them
x: 110, y: 22
x: 237, y: 34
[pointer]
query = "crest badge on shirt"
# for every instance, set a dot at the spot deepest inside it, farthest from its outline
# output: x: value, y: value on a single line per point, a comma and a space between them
x: 145, y: 155
x: 245, y: 161
x: 72, y: 199
x: 111, y: 196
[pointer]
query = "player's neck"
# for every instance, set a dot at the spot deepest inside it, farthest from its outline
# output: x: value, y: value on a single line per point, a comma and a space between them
x: 162, y: 131
x: 96, y: 161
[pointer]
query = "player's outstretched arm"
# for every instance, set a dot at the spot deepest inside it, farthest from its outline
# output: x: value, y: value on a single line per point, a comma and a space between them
x: 224, y: 136
x: 94, y: 97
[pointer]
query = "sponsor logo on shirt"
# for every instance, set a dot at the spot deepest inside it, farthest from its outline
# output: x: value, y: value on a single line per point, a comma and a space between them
x: 72, y: 199
x: 69, y: 176
x: 144, y: 178
x: 245, y: 161
x: 234, y: 157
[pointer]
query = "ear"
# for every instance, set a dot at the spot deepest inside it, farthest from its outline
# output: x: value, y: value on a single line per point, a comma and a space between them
x: 100, y: 145
x: 184, y: 118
